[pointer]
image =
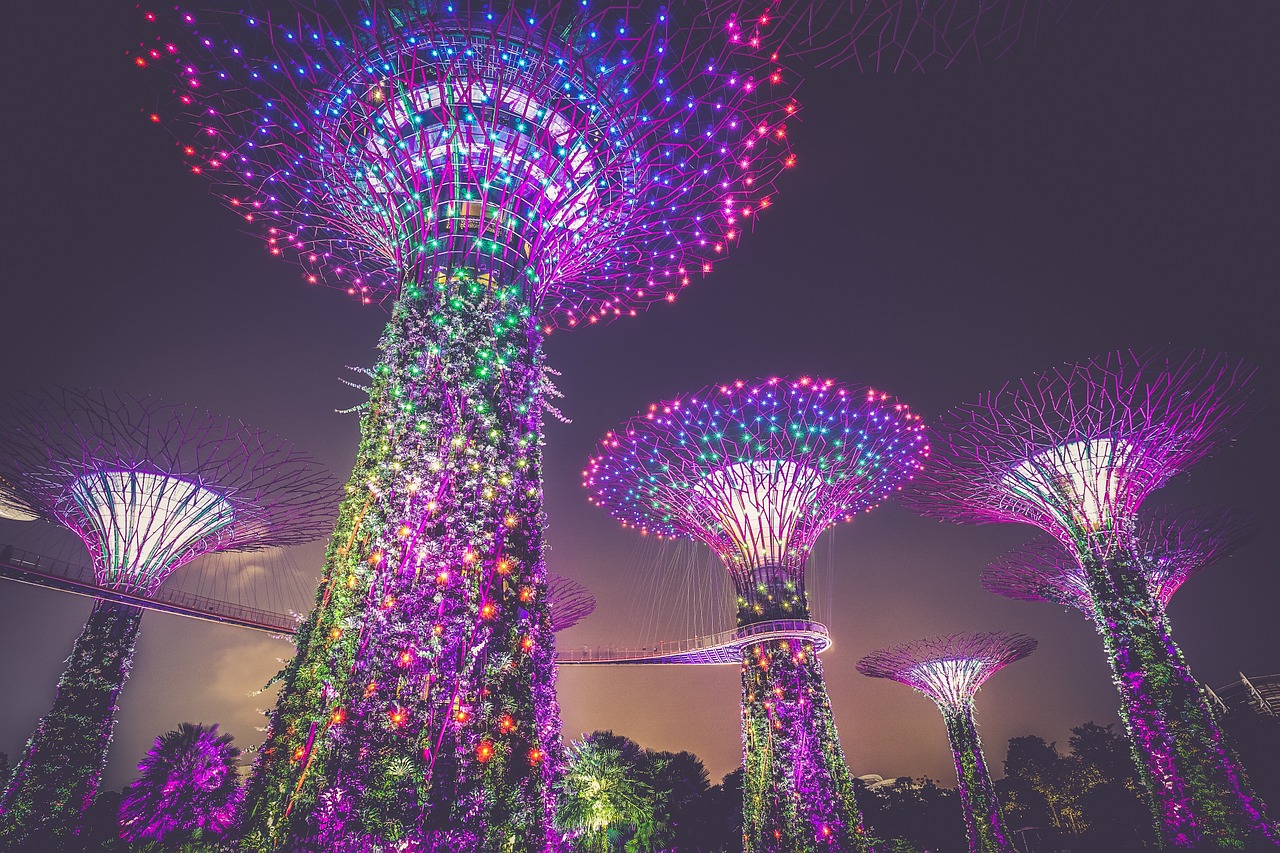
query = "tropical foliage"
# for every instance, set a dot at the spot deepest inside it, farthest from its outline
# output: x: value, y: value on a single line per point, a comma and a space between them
x: 187, y: 788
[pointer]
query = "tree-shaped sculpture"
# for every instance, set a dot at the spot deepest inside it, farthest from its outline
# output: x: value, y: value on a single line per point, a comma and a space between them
x: 147, y: 487
x: 1172, y: 546
x: 888, y: 36
x: 1075, y: 452
x: 758, y: 471
x: 496, y: 171
x: 570, y: 601
x: 949, y: 670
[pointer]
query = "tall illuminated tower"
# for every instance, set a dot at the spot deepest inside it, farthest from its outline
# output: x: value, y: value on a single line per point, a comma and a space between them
x: 147, y: 487
x: 1075, y: 451
x: 949, y: 670
x: 758, y: 471
x: 495, y: 172
x: 1172, y: 546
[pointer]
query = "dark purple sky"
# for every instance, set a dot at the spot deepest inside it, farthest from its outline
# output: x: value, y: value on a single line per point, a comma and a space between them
x: 1114, y: 187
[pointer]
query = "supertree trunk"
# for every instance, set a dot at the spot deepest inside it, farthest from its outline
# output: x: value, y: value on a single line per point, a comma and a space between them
x: 797, y: 789
x: 978, y: 801
x: 420, y: 706
x: 58, y: 776
x: 1197, y: 790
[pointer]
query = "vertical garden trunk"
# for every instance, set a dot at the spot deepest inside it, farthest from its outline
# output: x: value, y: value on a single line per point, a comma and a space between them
x: 978, y: 802
x: 58, y: 775
x: 797, y: 790
x: 420, y: 706
x: 1197, y: 790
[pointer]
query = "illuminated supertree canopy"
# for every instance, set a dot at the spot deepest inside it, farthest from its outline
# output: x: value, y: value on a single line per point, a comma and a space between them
x: 1172, y: 546
x: 1075, y: 451
x: 497, y: 172
x: 949, y: 670
x: 758, y: 471
x: 592, y: 157
x: 570, y: 602
x: 892, y: 36
x: 147, y: 487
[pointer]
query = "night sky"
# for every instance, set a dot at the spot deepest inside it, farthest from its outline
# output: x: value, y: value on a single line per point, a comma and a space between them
x: 1113, y: 187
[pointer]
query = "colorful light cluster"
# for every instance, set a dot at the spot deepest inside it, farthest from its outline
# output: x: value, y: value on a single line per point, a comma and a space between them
x: 593, y: 156
x: 1074, y: 452
x: 498, y: 173
x: 147, y: 487
x: 1172, y: 546
x: 758, y: 471
x: 949, y: 670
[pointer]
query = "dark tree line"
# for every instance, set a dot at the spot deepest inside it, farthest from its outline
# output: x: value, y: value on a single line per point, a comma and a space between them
x: 622, y: 798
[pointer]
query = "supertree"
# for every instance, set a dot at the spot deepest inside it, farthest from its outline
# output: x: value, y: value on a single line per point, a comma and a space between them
x: 885, y: 36
x: 758, y: 471
x: 496, y: 172
x: 1171, y: 547
x: 1075, y: 451
x: 949, y: 670
x: 569, y: 601
x: 148, y: 487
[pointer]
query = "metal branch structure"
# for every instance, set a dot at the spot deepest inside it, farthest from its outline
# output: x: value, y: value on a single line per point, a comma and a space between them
x: 1075, y: 451
x: 949, y: 670
x: 1172, y: 546
x: 148, y: 487
x: 890, y: 36
x: 496, y: 172
x: 758, y: 471
x: 570, y: 601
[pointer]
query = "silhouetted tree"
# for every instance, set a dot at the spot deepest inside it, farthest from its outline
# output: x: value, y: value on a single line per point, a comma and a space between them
x: 725, y: 800
x: 681, y: 786
x: 1256, y: 738
x: 913, y: 816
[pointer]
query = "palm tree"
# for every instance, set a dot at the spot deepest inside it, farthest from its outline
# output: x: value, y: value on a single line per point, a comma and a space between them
x: 681, y: 787
x: 606, y: 797
x: 187, y: 788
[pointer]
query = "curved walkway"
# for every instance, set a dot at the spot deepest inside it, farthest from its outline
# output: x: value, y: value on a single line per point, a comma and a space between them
x: 723, y: 648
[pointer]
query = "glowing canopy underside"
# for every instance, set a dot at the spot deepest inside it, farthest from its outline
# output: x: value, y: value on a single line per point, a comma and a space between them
x: 759, y: 505
x: 757, y: 471
x: 1085, y: 483
x: 141, y: 526
x: 948, y: 669
x: 14, y: 511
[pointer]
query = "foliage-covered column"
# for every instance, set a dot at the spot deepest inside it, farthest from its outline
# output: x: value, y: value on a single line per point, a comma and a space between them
x: 1198, y: 790
x: 981, y: 809
x: 58, y: 776
x: 797, y: 789
x: 421, y: 705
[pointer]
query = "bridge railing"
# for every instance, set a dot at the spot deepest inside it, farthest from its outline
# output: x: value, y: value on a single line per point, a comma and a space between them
x: 81, y: 578
x: 731, y: 637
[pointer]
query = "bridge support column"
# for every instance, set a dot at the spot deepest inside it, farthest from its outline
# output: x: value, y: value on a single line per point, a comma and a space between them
x: 57, y: 778
x: 797, y: 791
